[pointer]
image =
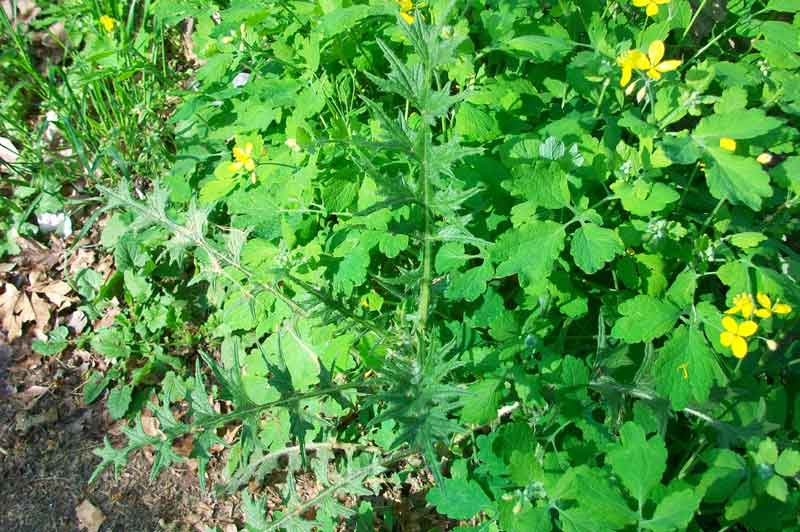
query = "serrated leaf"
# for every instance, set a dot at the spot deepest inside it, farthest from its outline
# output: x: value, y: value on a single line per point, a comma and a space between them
x: 475, y: 124
x: 110, y: 342
x: 351, y: 271
x: 529, y: 250
x: 643, y: 198
x: 747, y: 240
x: 737, y: 124
x: 95, y: 384
x: 119, y: 400
x: 540, y: 47
x: 685, y: 368
x: 469, y: 285
x: 644, y: 318
x: 674, y: 512
x: 593, y: 246
x: 725, y: 471
x: 740, y: 180
x: 391, y: 245
x: 543, y: 184
x: 482, y: 401
x: 595, y: 492
x: 522, y: 516
x: 681, y: 292
x: 788, y: 464
x: 55, y: 344
x: 581, y: 520
x: 217, y: 188
x: 137, y: 285
x: 777, y: 488
x: 458, y: 498
x: 450, y: 256
x: 638, y: 462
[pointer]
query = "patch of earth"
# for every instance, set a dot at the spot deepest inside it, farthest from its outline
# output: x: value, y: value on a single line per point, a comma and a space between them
x: 46, y: 441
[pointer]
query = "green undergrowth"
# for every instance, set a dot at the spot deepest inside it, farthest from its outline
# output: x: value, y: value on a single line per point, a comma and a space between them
x: 547, y: 251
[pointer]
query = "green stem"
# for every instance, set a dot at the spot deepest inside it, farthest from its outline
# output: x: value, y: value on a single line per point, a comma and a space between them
x: 711, y: 216
x: 427, y: 250
x: 694, y: 18
x: 239, y: 414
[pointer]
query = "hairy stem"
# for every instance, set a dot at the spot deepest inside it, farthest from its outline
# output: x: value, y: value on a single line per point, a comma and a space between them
x: 427, y: 249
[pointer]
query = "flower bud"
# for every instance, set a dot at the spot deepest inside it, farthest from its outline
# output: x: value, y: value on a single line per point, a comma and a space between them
x: 764, y: 158
x: 772, y: 345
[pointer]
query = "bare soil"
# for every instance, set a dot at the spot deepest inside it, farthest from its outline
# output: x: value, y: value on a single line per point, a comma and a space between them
x: 46, y: 458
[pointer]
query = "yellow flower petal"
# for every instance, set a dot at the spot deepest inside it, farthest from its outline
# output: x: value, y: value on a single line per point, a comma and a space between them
x: 641, y: 3
x: 655, y: 52
x: 250, y: 165
x: 639, y: 60
x: 405, y: 5
x: 747, y: 309
x: 763, y: 300
x: 763, y: 313
x: 408, y: 18
x: 741, y: 297
x: 652, y: 9
x: 248, y: 148
x: 654, y: 74
x: 730, y: 324
x: 627, y: 71
x: 662, y: 2
x: 727, y: 143
x: 739, y: 347
x: 235, y: 167
x: 668, y: 66
x: 726, y: 338
x: 108, y: 23
x: 747, y: 328
x: 782, y: 308
x: 733, y: 310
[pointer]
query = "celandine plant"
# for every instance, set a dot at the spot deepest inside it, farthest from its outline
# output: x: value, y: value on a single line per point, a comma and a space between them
x: 493, y: 239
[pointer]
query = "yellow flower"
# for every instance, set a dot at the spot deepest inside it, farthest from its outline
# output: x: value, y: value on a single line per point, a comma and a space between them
x: 651, y: 6
x: 735, y: 333
x: 243, y: 158
x: 406, y: 7
x: 768, y: 308
x: 727, y: 143
x: 653, y: 64
x: 627, y: 61
x: 108, y: 23
x: 742, y: 303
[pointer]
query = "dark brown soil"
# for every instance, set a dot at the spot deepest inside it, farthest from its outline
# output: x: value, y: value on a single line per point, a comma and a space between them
x: 46, y: 458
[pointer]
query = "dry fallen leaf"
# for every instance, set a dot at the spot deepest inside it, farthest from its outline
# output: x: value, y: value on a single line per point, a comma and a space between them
x: 37, y: 257
x: 29, y: 397
x: 109, y: 314
x: 84, y: 258
x: 41, y: 309
x: 55, y: 291
x: 150, y: 426
x: 77, y: 321
x: 89, y: 516
x: 15, y: 310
